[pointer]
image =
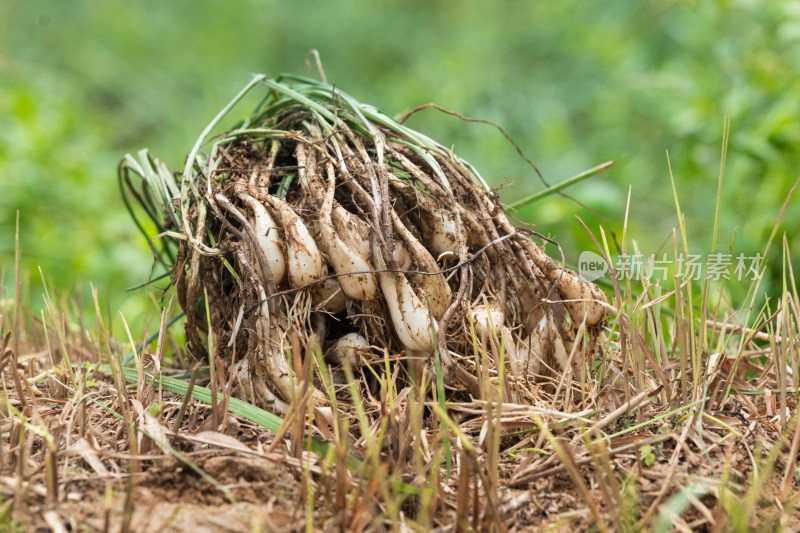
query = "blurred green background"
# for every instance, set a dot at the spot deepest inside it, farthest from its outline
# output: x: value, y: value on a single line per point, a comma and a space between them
x: 574, y: 82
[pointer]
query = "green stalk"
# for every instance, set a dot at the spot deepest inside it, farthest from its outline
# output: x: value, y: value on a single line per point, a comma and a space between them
x: 519, y: 204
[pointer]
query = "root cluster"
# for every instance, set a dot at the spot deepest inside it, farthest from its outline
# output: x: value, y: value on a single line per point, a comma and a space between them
x: 320, y: 221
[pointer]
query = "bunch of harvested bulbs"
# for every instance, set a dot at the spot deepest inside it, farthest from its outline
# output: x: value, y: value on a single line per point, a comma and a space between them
x: 321, y: 221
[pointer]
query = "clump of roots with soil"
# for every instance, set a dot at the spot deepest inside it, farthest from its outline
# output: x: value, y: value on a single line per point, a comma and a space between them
x: 320, y: 221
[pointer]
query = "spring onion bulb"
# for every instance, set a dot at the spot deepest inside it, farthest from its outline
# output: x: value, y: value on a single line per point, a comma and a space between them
x: 439, y: 228
x: 304, y: 260
x: 346, y: 258
x: 353, y: 231
x: 434, y: 286
x: 572, y: 287
x: 329, y: 294
x: 401, y: 256
x: 410, y: 317
x: 277, y: 367
x: 487, y: 319
x: 348, y: 349
x: 269, y: 238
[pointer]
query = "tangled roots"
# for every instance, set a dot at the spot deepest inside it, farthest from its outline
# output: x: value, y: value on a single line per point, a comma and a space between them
x: 320, y: 221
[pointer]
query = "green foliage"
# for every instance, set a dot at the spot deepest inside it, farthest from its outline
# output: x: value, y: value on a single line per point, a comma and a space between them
x: 7, y: 522
x: 574, y: 83
x: 648, y: 457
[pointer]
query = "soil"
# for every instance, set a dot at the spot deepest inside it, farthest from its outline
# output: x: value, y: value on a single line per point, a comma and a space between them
x: 168, y: 496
